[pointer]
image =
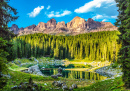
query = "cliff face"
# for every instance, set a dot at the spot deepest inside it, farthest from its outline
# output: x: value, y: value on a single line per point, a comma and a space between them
x: 40, y: 27
x: 51, y: 24
x: 14, y: 28
x: 76, y: 26
x: 77, y: 22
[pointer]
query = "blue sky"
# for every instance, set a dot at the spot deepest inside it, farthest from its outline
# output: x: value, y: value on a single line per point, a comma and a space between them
x: 35, y: 11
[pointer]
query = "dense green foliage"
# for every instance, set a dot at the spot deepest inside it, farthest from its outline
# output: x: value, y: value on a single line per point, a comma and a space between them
x: 3, y: 68
x: 123, y: 22
x: 92, y: 46
x: 5, y: 36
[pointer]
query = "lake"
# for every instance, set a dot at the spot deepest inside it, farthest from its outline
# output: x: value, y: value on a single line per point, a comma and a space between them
x: 73, y: 74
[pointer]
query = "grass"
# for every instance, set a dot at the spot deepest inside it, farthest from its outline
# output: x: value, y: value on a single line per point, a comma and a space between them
x: 23, y: 60
x: 107, y: 85
x: 14, y: 67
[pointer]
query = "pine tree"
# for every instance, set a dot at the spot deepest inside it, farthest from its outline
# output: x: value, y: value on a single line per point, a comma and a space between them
x: 123, y: 22
x: 5, y: 35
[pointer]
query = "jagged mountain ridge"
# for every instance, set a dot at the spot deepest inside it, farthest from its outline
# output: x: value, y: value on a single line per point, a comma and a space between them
x: 76, y: 26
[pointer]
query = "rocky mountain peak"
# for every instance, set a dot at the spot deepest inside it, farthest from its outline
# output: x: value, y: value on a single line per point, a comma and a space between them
x: 76, y: 26
x: 53, y: 21
x: 78, y: 19
x: 14, y: 28
x: 31, y: 27
x: 77, y: 22
x: 90, y: 20
x: 51, y: 24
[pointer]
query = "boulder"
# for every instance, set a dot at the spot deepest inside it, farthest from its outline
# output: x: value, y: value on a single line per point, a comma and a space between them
x: 70, y: 89
x: 14, y: 87
x: 54, y: 83
x: 59, y: 75
x: 35, y: 70
x: 65, y: 87
x: 54, y: 76
x: 35, y: 85
x: 74, y: 86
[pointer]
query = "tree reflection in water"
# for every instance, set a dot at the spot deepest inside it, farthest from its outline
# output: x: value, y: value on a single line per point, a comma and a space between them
x: 75, y: 74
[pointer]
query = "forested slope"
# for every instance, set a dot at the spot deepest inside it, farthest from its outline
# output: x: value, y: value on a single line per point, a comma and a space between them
x: 92, y: 46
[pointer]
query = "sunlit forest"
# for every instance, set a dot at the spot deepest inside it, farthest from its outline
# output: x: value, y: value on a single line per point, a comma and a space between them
x: 92, y: 46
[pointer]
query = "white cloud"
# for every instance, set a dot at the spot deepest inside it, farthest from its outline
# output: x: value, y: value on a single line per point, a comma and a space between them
x: 92, y: 4
x: 104, y: 20
x: 98, y: 6
x: 36, y: 11
x: 114, y: 17
x: 48, y: 7
x: 104, y: 17
x: 98, y: 17
x: 58, y: 14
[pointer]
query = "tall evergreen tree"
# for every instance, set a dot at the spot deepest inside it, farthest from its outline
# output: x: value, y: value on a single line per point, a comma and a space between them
x: 123, y: 22
x: 5, y: 35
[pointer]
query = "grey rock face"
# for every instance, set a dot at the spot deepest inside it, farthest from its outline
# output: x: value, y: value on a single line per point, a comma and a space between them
x: 51, y: 24
x: 14, y: 28
x: 91, y: 24
x: 40, y: 27
x: 60, y: 24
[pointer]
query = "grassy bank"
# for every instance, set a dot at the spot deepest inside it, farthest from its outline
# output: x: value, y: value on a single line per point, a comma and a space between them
x: 83, y: 85
x: 46, y: 82
x: 107, y: 85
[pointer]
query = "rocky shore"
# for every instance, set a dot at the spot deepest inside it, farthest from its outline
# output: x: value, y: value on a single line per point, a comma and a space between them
x: 109, y: 71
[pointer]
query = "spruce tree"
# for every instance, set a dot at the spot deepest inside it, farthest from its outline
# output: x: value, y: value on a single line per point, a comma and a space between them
x: 123, y: 22
x: 5, y: 36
